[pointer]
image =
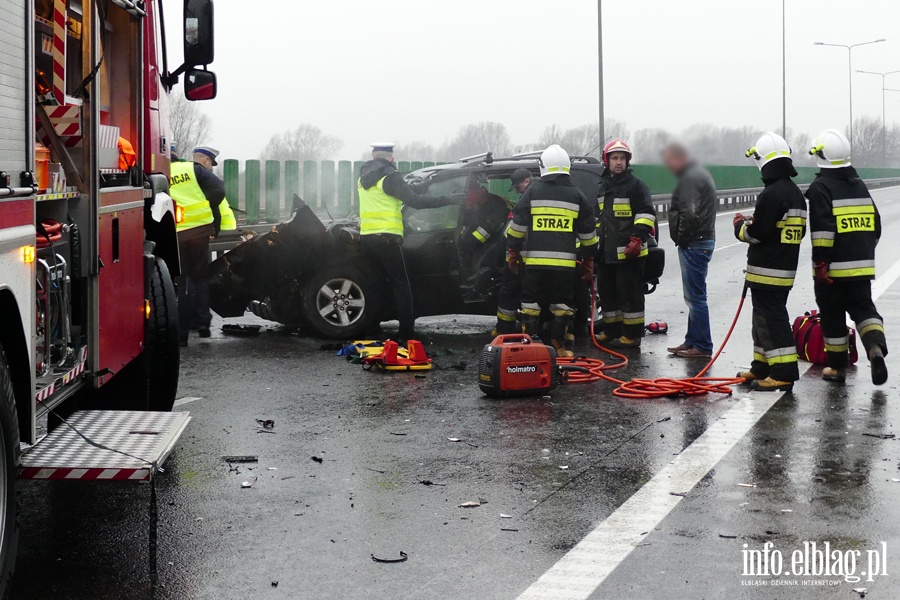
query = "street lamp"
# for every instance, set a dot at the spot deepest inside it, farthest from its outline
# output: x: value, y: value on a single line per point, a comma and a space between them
x: 883, y: 119
x: 850, y: 71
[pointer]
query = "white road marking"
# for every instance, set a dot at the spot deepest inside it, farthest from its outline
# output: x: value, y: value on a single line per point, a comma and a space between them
x: 185, y: 400
x: 583, y: 568
x: 729, y: 246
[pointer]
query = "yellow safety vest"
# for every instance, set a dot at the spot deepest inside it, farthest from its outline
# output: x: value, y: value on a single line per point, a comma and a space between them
x: 229, y: 222
x: 186, y: 193
x: 378, y: 211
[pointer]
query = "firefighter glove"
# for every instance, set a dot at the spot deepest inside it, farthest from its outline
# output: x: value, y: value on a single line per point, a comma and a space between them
x: 586, y: 269
x: 633, y: 249
x: 514, y: 261
x: 822, y: 273
x: 738, y: 220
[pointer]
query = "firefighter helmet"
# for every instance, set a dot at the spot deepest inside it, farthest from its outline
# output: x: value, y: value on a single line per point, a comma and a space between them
x: 555, y: 161
x: 616, y: 145
x: 831, y: 149
x: 769, y: 147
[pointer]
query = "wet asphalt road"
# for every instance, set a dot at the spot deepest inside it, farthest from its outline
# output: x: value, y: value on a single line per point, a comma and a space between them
x: 312, y: 527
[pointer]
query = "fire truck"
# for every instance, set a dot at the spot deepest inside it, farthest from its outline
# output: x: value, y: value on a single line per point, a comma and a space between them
x: 89, y: 355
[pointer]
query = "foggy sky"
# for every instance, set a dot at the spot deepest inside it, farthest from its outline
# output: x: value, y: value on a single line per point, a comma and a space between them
x: 405, y: 70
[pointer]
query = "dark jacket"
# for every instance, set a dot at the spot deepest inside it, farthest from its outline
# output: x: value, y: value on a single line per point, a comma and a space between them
x: 777, y: 228
x: 558, y: 221
x: 624, y: 209
x: 486, y: 216
x: 692, y: 211
x: 845, y: 224
x: 394, y: 185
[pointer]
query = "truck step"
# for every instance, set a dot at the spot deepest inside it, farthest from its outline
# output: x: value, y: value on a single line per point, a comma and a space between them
x: 133, y: 444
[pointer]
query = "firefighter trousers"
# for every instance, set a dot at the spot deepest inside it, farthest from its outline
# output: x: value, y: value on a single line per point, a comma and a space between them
x: 621, y: 289
x: 508, y: 300
x: 836, y: 301
x: 552, y: 289
x: 774, y: 348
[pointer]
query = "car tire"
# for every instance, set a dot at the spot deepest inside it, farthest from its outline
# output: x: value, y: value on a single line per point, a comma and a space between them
x: 162, y: 354
x: 9, y: 455
x: 335, y: 302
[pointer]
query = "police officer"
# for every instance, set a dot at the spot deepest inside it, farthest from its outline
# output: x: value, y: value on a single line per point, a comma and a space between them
x: 554, y: 216
x: 845, y: 227
x: 627, y: 219
x: 773, y: 234
x: 199, y: 194
x: 510, y: 295
x: 382, y: 193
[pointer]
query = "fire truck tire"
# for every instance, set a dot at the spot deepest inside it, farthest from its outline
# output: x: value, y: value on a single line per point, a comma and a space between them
x: 161, y: 350
x: 9, y: 439
x: 335, y: 302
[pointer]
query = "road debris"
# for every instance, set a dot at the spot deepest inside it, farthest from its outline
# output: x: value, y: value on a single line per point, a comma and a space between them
x: 266, y: 423
x: 470, y: 504
x: 241, y: 330
x: 403, y: 558
x: 727, y: 536
x: 373, y: 470
x: 664, y: 419
x: 503, y: 516
x: 747, y: 485
x: 881, y: 436
x: 317, y: 459
x: 563, y: 467
x: 274, y: 584
x: 248, y: 484
x: 681, y: 494
x: 508, y: 529
x: 240, y: 459
x: 396, y: 433
x: 454, y: 440
x: 428, y: 482
x: 860, y: 591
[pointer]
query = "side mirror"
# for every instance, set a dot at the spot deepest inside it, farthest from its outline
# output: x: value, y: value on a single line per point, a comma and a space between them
x: 199, y: 85
x: 198, y: 32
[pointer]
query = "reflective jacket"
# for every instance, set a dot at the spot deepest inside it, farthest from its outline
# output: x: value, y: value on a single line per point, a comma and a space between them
x: 229, y: 222
x: 845, y: 224
x: 187, y: 194
x: 555, y: 216
x: 776, y: 231
x: 379, y: 212
x: 625, y: 209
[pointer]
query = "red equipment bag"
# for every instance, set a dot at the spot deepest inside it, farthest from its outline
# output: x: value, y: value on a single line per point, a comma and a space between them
x: 811, y: 342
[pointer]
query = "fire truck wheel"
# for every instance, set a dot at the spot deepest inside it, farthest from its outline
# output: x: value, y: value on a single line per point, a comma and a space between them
x: 161, y: 340
x: 334, y: 302
x: 9, y: 444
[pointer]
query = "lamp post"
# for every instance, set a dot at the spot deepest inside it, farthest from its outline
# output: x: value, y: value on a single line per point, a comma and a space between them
x: 883, y: 112
x: 783, y: 73
x: 850, y: 48
x: 600, y: 67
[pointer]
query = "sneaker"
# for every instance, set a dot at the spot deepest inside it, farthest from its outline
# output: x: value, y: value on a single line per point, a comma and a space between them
x: 693, y: 353
x: 772, y: 385
x: 879, y: 369
x: 627, y: 343
x: 833, y: 375
x: 204, y: 332
x: 678, y: 349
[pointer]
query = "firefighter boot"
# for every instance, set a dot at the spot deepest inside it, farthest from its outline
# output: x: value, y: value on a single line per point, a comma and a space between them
x: 833, y: 375
x: 748, y: 377
x: 625, y: 343
x: 561, y: 338
x: 879, y: 369
x: 504, y: 327
x: 772, y: 385
x: 531, y: 325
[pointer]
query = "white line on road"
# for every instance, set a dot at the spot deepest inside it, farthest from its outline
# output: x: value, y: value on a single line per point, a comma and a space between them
x: 583, y: 568
x: 185, y: 400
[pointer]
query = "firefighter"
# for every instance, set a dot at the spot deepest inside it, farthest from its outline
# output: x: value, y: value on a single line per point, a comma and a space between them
x: 199, y: 194
x: 845, y: 227
x: 510, y: 294
x: 555, y: 216
x: 382, y: 193
x: 626, y: 221
x: 773, y: 234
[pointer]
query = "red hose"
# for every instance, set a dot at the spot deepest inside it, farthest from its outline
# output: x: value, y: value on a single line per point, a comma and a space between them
x: 591, y: 370
x: 53, y: 229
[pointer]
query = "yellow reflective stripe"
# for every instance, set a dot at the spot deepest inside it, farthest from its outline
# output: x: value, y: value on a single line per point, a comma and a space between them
x: 477, y: 235
x: 549, y: 262
x: 872, y: 327
x: 782, y: 360
x: 590, y: 242
x: 837, y: 347
x: 862, y: 272
x: 766, y: 280
x: 505, y: 317
x: 862, y: 209
x: 554, y: 211
x: 557, y: 169
x: 635, y: 321
x: 795, y: 221
x: 644, y: 252
x: 759, y: 356
x: 772, y: 154
x: 647, y: 222
x: 514, y: 233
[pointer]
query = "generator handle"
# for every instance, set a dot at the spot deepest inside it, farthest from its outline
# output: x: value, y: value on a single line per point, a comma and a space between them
x: 513, y: 338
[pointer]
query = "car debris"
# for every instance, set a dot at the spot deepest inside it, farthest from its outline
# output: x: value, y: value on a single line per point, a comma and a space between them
x: 860, y: 591
x: 503, y: 516
x: 274, y: 584
x: 428, y: 482
x: 249, y: 483
x: 403, y: 558
x: 746, y: 485
x: 266, y: 423
x: 317, y: 459
x: 727, y: 536
x: 881, y: 436
x: 470, y: 504
x: 241, y: 459
x: 508, y: 529
x: 454, y: 440
x: 241, y: 330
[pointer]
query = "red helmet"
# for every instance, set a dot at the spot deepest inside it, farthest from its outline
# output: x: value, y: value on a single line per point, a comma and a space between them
x: 616, y: 145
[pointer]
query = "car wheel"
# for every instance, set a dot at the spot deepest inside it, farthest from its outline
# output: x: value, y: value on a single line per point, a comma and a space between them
x: 9, y: 445
x: 161, y: 351
x: 335, y: 304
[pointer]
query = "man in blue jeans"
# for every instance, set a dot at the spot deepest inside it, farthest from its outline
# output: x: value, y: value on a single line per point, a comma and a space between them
x: 692, y: 225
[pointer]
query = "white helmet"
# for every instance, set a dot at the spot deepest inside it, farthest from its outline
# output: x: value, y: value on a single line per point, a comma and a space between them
x: 555, y: 161
x: 768, y: 148
x: 831, y: 149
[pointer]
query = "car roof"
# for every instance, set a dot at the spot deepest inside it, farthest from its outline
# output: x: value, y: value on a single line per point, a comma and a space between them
x: 499, y: 165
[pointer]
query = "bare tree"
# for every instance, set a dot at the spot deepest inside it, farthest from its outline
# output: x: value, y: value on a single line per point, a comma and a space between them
x: 475, y: 138
x: 190, y: 127
x: 648, y: 144
x: 583, y: 140
x: 306, y: 142
x: 416, y: 150
x: 867, y: 145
